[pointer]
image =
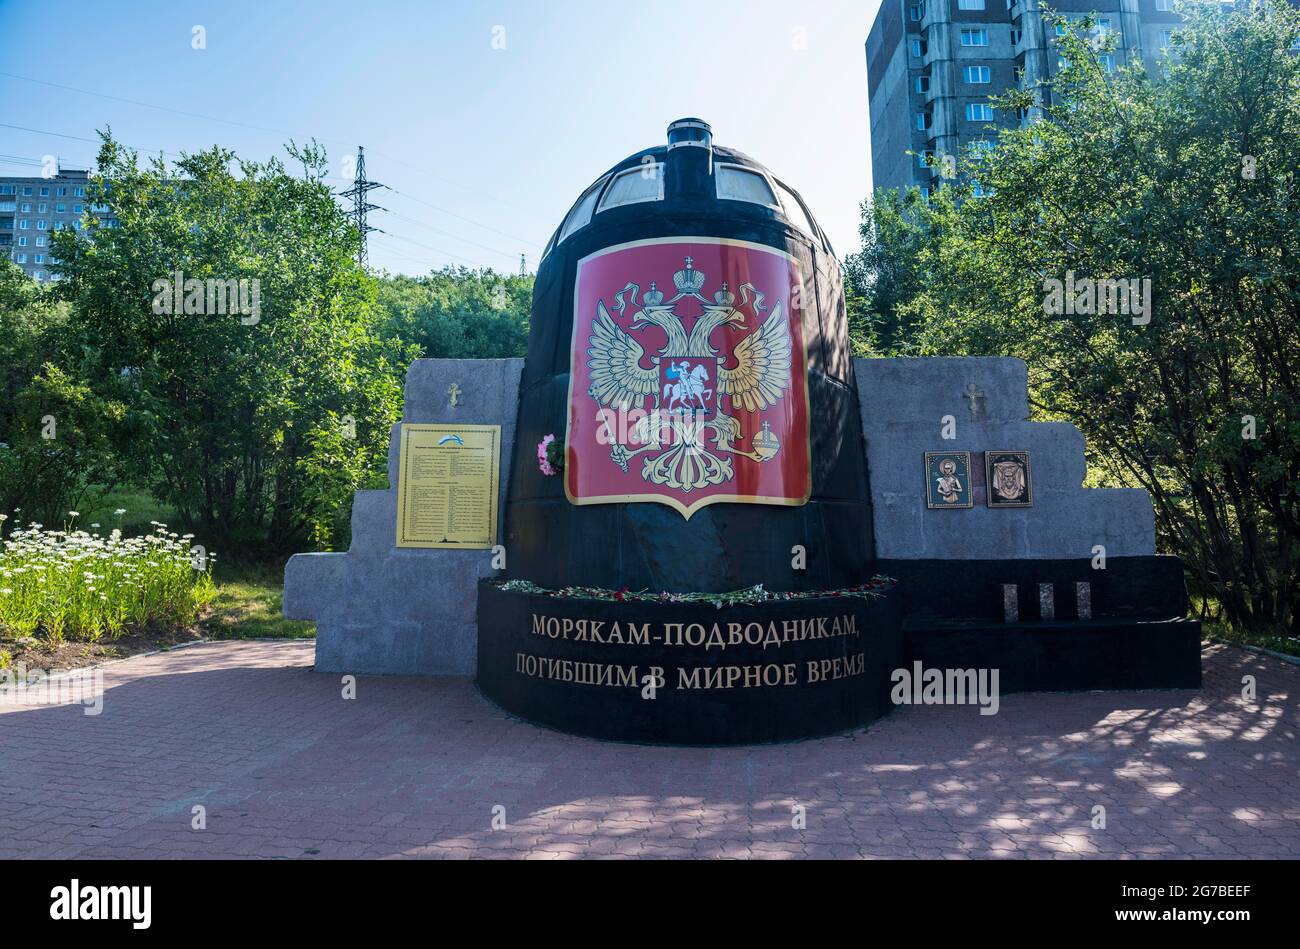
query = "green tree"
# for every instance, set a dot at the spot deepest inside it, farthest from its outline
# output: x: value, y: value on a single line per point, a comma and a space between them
x: 53, y: 430
x: 1188, y: 179
x: 227, y: 406
x: 29, y: 319
x: 900, y: 232
x: 458, y: 313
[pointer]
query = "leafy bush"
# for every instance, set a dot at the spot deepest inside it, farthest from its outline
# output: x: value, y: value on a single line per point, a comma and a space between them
x: 82, y: 586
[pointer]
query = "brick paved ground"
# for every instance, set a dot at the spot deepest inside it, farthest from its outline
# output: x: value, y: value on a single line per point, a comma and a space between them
x: 413, y: 767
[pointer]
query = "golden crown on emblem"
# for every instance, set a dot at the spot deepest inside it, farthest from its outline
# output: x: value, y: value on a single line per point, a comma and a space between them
x: 689, y: 280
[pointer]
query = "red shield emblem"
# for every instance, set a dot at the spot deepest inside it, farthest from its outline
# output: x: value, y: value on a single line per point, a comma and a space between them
x: 688, y: 382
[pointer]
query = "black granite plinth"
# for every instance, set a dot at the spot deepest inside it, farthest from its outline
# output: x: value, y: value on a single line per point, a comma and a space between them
x: 688, y: 673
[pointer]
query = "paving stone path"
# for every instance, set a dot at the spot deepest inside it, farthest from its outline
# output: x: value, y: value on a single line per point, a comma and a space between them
x: 285, y: 767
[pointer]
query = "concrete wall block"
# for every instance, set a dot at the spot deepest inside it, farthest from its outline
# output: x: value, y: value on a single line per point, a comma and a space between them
x: 411, y: 611
x: 925, y: 390
x: 308, y: 580
x: 382, y: 609
x: 896, y: 451
x: 903, y: 403
x: 485, y: 387
x: 374, y: 522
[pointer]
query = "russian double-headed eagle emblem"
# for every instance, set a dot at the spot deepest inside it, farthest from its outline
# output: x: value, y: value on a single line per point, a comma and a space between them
x: 683, y: 385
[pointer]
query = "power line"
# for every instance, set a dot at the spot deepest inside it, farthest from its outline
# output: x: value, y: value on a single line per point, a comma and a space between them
x: 513, y: 237
x: 428, y: 263
x: 257, y: 128
x: 359, y: 219
x: 411, y: 197
x: 438, y: 250
x: 464, y: 240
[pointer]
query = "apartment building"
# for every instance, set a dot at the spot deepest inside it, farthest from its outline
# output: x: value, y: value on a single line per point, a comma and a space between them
x: 933, y: 64
x: 32, y: 209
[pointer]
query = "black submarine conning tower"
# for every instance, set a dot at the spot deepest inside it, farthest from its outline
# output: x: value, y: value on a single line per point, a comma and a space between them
x: 708, y: 191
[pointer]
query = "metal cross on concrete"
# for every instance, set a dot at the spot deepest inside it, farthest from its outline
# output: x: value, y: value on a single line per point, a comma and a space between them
x: 978, y: 401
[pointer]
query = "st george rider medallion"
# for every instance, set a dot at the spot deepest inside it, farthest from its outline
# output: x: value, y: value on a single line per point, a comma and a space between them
x: 688, y: 381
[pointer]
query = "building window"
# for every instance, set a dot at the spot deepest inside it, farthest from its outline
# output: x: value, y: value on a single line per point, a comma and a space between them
x: 40, y: 225
x: 22, y: 225
x: 979, y: 112
x: 45, y: 192
x: 1107, y: 62
x: 27, y: 192
x: 42, y: 208
x: 40, y: 275
x: 922, y: 83
x: 21, y: 258
x: 27, y: 207
x: 1017, y: 73
x: 39, y: 259
x: 80, y: 192
x: 40, y: 242
x: 1015, y: 36
x: 76, y: 225
x: 22, y: 242
x: 977, y: 75
x: 924, y: 158
x: 924, y: 120
x: 970, y: 4
x: 61, y: 208
x: 1166, y: 38
x: 925, y: 192
x: 974, y: 37
x: 919, y: 47
x: 1164, y: 6
x: 6, y: 189
x: 76, y: 208
x: 916, y: 11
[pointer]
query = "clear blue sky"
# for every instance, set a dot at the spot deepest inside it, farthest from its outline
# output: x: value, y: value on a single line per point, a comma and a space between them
x: 504, y: 138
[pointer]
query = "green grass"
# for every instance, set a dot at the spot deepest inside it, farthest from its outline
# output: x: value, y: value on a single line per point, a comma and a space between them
x: 1216, y: 629
x: 1282, y: 642
x: 247, y: 605
x: 141, y: 508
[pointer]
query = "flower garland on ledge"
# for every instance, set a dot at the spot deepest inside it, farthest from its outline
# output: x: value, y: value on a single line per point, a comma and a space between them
x: 875, y: 587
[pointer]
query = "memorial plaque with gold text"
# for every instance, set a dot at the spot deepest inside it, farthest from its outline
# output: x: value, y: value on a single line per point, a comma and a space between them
x: 447, y: 486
